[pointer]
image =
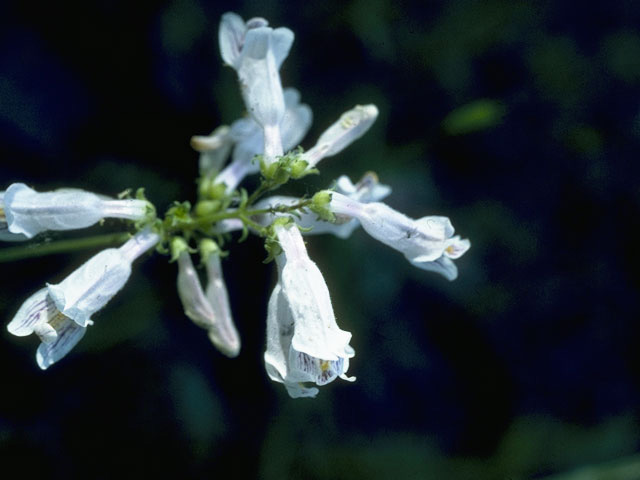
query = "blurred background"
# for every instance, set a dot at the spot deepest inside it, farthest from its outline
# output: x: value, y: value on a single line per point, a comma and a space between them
x: 518, y: 120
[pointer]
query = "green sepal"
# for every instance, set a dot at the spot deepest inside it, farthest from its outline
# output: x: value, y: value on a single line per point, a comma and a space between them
x: 271, y: 243
x: 244, y: 198
x: 320, y: 206
x: 177, y: 245
x: 124, y: 194
x: 245, y: 233
x: 208, y: 247
x: 178, y: 213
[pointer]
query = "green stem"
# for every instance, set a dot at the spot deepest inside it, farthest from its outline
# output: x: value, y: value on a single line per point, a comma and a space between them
x: 255, y: 225
x: 240, y: 213
x: 34, y: 250
x: 263, y: 188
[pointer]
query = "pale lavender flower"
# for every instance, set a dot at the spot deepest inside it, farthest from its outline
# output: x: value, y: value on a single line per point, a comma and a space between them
x: 256, y: 52
x: 60, y: 313
x: 304, y: 343
x: 350, y: 126
x: 428, y: 243
x: 208, y: 310
x: 29, y: 212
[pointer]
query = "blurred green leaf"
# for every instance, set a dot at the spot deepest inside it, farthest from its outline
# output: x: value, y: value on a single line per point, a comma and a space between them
x: 477, y: 115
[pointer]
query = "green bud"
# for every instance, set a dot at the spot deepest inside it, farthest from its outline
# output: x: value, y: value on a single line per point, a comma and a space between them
x: 140, y: 194
x: 281, y: 176
x: 263, y: 165
x: 203, y: 186
x: 207, y: 207
x: 216, y: 191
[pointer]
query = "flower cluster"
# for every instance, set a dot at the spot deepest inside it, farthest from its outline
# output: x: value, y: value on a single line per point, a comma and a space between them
x: 304, y: 344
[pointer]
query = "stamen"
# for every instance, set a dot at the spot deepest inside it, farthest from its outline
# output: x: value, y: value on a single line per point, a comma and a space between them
x: 58, y: 320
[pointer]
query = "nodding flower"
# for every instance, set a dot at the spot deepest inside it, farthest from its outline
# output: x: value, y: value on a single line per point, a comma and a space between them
x: 428, y: 243
x: 304, y: 342
x: 209, y: 310
x: 60, y: 313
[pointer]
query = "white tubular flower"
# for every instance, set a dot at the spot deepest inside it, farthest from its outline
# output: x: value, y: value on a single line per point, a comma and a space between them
x: 5, y: 234
x: 428, y: 243
x: 214, y: 150
x: 59, y: 314
x: 29, y: 212
x: 90, y: 287
x: 211, y: 310
x: 249, y: 139
x: 216, y: 292
x: 57, y: 332
x: 351, y: 126
x: 368, y: 189
x: 304, y: 343
x: 260, y: 83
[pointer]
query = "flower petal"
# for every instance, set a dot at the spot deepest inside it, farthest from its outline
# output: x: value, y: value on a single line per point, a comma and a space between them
x: 38, y: 309
x: 443, y: 265
x: 456, y: 247
x: 297, y: 390
x: 231, y: 37
x: 68, y: 335
x: 280, y: 328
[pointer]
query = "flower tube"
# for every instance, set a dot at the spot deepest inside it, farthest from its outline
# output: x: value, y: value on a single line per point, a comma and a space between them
x: 29, y: 212
x: 304, y: 343
x: 249, y: 139
x: 260, y: 83
x: 428, y: 243
x: 350, y: 126
x: 93, y: 284
x: 5, y: 234
x: 210, y: 311
x: 368, y: 189
x: 59, y: 314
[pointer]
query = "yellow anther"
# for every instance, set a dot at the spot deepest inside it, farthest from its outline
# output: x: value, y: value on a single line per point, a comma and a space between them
x: 324, y: 365
x: 57, y: 320
x: 449, y: 249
